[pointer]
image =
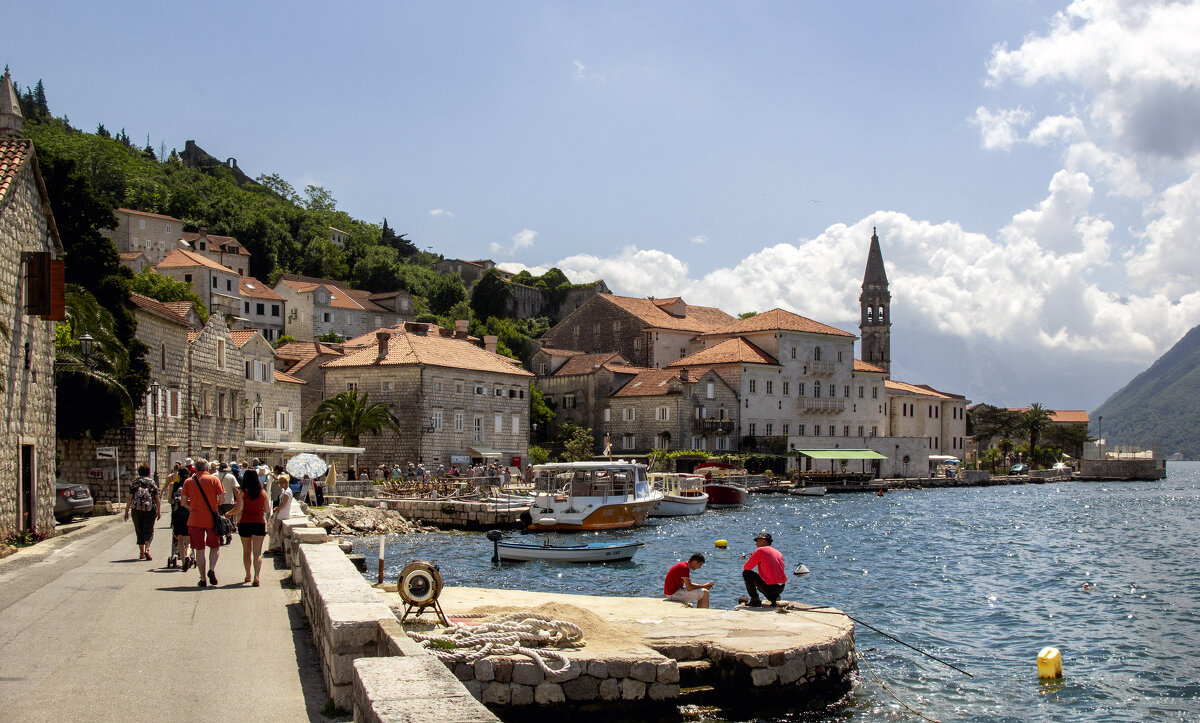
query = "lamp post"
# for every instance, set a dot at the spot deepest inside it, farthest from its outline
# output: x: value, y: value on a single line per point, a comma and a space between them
x: 154, y: 388
x: 1100, y: 435
x: 85, y: 344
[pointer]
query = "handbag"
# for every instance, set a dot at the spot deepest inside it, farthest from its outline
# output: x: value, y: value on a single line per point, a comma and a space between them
x: 222, y: 527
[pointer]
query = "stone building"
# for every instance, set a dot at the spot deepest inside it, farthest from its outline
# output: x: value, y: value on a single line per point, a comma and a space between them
x: 470, y: 271
x: 528, y: 302
x: 922, y: 411
x: 400, y: 302
x: 136, y: 261
x: 159, y: 436
x: 875, y: 312
x: 152, y: 234
x: 31, y: 300
x: 671, y: 409
x: 262, y: 308
x: 456, y: 401
x: 216, y: 408
x: 576, y: 386
x: 647, y: 332
x: 272, y: 397
x: 319, y: 306
x: 217, y: 286
x: 224, y: 250
x: 302, y: 360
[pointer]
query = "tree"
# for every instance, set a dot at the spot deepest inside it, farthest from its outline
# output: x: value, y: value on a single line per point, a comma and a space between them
x: 377, y: 270
x: 747, y: 314
x: 540, y: 414
x: 284, y: 339
x: 1035, y: 419
x: 445, y: 291
x: 39, y: 99
x: 349, y: 416
x: 89, y: 381
x: 163, y: 288
x: 331, y: 337
x: 491, y: 295
x: 578, y: 443
x: 102, y: 131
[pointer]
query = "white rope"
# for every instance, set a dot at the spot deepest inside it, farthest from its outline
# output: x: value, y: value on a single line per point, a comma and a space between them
x: 508, y: 634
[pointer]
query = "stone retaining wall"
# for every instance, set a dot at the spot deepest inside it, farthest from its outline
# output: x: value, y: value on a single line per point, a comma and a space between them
x: 516, y: 681
x: 455, y: 514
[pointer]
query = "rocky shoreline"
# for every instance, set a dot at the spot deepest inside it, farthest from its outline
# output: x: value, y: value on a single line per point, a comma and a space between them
x: 338, y: 520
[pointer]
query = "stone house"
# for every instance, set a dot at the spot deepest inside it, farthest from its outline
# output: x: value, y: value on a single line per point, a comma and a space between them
x: 302, y: 360
x: 337, y: 237
x: 160, y: 428
x: 577, y: 386
x: 135, y: 260
x: 319, y: 306
x: 671, y: 409
x: 217, y: 406
x: 262, y: 308
x: 216, y: 285
x: 31, y: 301
x: 456, y: 401
x: 528, y: 302
x: 400, y: 302
x: 152, y: 234
x: 272, y: 397
x: 938, y: 418
x: 647, y: 332
x: 470, y: 271
x: 224, y: 250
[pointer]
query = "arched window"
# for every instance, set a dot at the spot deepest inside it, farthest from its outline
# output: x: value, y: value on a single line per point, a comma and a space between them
x: 880, y: 315
x: 870, y: 315
x: 817, y: 354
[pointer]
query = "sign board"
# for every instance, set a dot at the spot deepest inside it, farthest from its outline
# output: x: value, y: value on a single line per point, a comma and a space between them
x: 106, y: 453
x: 460, y: 459
x: 516, y: 461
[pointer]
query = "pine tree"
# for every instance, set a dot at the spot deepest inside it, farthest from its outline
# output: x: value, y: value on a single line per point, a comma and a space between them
x: 102, y: 131
x: 39, y: 98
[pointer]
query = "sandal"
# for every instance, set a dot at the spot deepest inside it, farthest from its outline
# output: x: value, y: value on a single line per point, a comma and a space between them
x: 148, y: 556
x: 255, y: 583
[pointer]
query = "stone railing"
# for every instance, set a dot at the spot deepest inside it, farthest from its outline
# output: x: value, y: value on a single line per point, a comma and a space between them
x: 820, y: 404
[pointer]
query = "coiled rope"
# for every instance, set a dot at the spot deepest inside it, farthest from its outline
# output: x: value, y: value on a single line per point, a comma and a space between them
x: 508, y: 634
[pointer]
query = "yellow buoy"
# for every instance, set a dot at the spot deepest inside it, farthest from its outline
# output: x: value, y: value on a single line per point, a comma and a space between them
x: 722, y: 544
x: 1049, y: 663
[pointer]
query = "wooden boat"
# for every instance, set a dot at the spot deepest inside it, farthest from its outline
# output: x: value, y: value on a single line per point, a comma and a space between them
x: 683, y: 494
x: 724, y: 484
x: 590, y: 496
x: 508, y: 551
x: 807, y: 491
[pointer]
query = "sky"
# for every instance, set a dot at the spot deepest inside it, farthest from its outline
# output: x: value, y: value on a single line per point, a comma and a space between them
x: 1032, y: 168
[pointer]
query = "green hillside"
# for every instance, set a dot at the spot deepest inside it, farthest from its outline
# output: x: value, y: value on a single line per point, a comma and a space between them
x: 1161, y: 406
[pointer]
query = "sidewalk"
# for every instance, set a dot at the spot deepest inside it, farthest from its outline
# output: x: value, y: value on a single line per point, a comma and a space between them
x: 89, y: 632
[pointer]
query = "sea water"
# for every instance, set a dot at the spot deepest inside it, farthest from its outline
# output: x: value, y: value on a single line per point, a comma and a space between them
x: 984, y: 578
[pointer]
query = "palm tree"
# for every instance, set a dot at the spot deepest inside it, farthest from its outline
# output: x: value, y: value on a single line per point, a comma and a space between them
x: 107, y: 358
x: 1035, y: 419
x: 349, y: 416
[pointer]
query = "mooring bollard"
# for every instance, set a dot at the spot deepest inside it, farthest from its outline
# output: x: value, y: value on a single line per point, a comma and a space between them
x: 381, y: 538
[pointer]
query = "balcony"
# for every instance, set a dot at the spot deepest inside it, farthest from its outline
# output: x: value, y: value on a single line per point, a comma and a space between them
x: 712, y: 425
x: 827, y: 405
x: 265, y: 435
x: 819, y: 368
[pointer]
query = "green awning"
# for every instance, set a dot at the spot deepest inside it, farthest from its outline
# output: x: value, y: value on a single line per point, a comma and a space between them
x: 841, y: 454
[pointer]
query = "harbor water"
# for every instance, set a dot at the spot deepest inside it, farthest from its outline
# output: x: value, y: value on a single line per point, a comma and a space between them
x: 983, y: 578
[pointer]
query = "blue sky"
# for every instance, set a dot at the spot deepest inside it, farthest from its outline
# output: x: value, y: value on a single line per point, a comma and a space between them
x: 1031, y: 166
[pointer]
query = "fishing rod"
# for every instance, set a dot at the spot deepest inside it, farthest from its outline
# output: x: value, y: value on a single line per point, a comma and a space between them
x: 827, y: 611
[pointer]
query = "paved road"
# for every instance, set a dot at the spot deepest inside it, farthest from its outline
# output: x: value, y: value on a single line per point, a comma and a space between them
x: 89, y: 632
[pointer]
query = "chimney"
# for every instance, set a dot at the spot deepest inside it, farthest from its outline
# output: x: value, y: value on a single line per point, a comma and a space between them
x: 204, y: 230
x: 683, y: 375
x: 489, y: 343
x: 383, y: 337
x: 461, y: 325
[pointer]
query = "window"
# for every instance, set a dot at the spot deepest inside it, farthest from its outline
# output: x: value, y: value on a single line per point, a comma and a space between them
x: 846, y: 391
x: 141, y: 223
x: 637, y: 343
x: 274, y: 309
x: 386, y: 386
x: 497, y: 392
x: 352, y: 386
x: 162, y: 362
x: 220, y: 353
x: 874, y: 430
x: 437, y: 386
x: 754, y: 429
x: 437, y: 421
x: 229, y: 284
x: 247, y: 305
x: 516, y: 424
x: 568, y: 401
x: 662, y: 441
x: 544, y: 369
x: 682, y: 352
x: 874, y: 392
x: 595, y: 327
x: 860, y: 430
x: 721, y: 444
x: 478, y: 425
x: 770, y: 429
x: 214, y: 280
x: 753, y: 385
x: 498, y: 423
x: 846, y: 431
x: 458, y: 421
x: 607, y: 414
x: 628, y: 441
x: 249, y: 369
x: 860, y: 392
x: 839, y: 356
x: 458, y: 387
x: 174, y: 403
x: 260, y: 309
x: 786, y: 429
x: 479, y: 389
x: 187, y: 278
x: 662, y: 414
x: 628, y: 414
x: 785, y: 388
x: 816, y: 390
x: 800, y: 429
x: 800, y: 389
x: 710, y: 391
x: 616, y: 325
x: 770, y: 386
x: 793, y: 352
x: 325, y: 316
x: 281, y: 420
x: 817, y: 354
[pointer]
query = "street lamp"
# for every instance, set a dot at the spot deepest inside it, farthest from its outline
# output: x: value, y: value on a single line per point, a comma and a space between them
x: 154, y: 387
x: 1100, y: 435
x: 85, y: 344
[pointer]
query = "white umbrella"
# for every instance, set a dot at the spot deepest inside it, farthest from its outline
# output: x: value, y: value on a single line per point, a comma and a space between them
x: 306, y: 465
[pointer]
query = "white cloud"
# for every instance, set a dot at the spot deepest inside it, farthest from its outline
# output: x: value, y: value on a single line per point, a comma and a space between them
x: 1056, y: 128
x: 1000, y: 129
x: 698, y: 239
x: 441, y: 212
x: 495, y: 248
x: 523, y: 239
x: 583, y: 73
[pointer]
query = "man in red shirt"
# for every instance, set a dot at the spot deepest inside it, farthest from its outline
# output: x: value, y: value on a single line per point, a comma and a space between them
x: 198, y: 489
x: 679, y: 585
x: 770, y: 577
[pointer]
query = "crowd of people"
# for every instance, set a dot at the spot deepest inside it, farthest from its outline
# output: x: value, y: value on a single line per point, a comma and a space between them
x: 418, y: 472
x: 202, y: 494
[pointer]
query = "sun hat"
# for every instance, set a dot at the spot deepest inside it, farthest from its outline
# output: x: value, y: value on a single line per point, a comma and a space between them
x: 764, y: 536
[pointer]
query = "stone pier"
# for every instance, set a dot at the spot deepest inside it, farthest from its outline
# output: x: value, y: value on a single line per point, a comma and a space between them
x: 445, y: 513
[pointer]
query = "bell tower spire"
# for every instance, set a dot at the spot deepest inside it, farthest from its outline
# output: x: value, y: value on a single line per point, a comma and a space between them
x: 11, y: 121
x: 875, y: 320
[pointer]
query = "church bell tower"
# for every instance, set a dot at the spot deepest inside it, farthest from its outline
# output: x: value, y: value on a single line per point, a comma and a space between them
x: 875, y: 321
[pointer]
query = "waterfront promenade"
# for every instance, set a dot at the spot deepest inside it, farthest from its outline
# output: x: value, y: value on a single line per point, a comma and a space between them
x: 89, y: 632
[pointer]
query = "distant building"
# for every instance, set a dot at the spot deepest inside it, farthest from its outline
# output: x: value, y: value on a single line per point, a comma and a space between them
x: 302, y: 360
x: 576, y: 386
x: 262, y: 308
x: 217, y: 286
x: 152, y: 234
x: 31, y: 301
x: 272, y: 398
x: 318, y: 306
x: 470, y: 271
x: 216, y: 411
x: 135, y: 260
x: 671, y: 409
x: 337, y: 237
x: 225, y: 250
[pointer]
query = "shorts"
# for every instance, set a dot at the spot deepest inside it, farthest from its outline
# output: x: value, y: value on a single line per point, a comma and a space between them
x: 203, y: 537
x: 687, y: 596
x: 252, y: 529
x: 179, y: 525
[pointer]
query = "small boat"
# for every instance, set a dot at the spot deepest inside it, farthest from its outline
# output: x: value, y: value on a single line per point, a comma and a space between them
x: 589, y: 552
x: 724, y: 484
x: 683, y: 494
x: 590, y: 496
x: 807, y: 491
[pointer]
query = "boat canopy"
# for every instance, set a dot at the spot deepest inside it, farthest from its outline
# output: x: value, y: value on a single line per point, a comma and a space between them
x: 840, y: 454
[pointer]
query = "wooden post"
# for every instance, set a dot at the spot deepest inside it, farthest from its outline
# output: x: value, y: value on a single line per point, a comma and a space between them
x: 381, y: 538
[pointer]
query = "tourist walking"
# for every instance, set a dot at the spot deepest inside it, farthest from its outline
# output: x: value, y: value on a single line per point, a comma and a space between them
x: 179, y: 523
x: 143, y: 502
x: 200, y: 495
x: 251, y: 516
x: 770, y: 578
x: 229, y: 481
x: 679, y: 586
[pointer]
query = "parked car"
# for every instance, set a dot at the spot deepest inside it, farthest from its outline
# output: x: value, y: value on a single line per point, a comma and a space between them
x: 71, y: 500
x: 1019, y: 469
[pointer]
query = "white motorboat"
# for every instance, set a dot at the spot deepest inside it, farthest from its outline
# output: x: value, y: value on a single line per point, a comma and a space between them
x: 508, y: 551
x: 590, y: 496
x: 807, y: 491
x: 683, y: 494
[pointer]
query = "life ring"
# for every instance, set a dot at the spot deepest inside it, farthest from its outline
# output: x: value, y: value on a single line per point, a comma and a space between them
x: 420, y: 583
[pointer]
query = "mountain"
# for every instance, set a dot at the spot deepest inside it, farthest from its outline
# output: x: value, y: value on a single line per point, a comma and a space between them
x: 1161, y: 406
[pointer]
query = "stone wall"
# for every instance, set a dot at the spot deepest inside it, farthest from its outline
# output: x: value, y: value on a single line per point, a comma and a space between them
x: 28, y: 382
x: 215, y: 432
x: 1134, y: 469
x: 599, y: 326
x: 451, y: 514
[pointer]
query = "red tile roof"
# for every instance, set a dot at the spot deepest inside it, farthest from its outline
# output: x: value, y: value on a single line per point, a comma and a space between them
x: 552, y: 351
x: 147, y: 214
x: 180, y: 308
x: 918, y: 389
x: 862, y: 366
x: 588, y: 363
x: 650, y: 383
x: 340, y: 295
x: 300, y: 353
x: 241, y: 336
x: 731, y: 351
x: 178, y: 258
x: 1060, y: 416
x: 256, y: 289
x: 238, y: 249
x: 779, y: 319
x: 697, y: 318
x: 288, y: 378
x: 14, y: 152
x: 157, y: 307
x: 405, y: 348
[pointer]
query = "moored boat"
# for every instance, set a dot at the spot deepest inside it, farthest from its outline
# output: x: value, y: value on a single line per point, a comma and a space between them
x: 724, y: 484
x: 590, y: 496
x: 590, y: 552
x: 808, y: 491
x: 683, y: 494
